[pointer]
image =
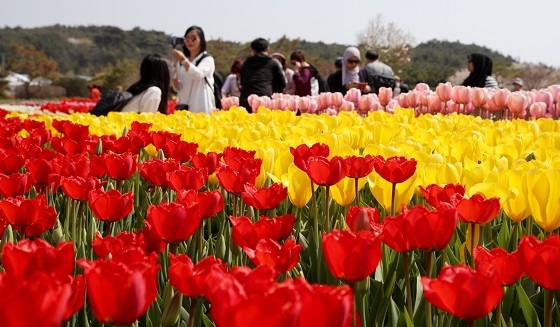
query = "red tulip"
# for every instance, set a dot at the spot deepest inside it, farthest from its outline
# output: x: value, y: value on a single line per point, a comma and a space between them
x: 187, y: 178
x: 155, y: 170
x: 38, y: 301
x: 78, y: 188
x: 326, y: 172
x: 28, y: 257
x: 174, y: 222
x: 362, y: 219
x: 232, y: 155
x: 121, y: 289
x: 10, y: 163
x: 463, y: 292
x: 264, y: 198
x: 159, y: 138
x: 68, y: 146
x: 541, y: 260
x: 30, y: 216
x: 420, y: 228
x: 303, y: 152
x: 210, y: 161
x: 359, y: 167
x: 15, y: 184
x: 77, y: 296
x: 233, y: 180
x: 123, y: 144
x: 181, y: 150
x: 110, y: 206
x: 394, y: 169
x: 103, y: 246
x: 246, y: 234
x: 75, y: 166
x: 478, y: 210
x: 325, y: 306
x: 507, y: 265
x: 154, y: 242
x: 280, y: 257
x: 435, y: 194
x: 351, y: 257
x: 75, y: 132
x: 41, y: 169
x: 189, y: 278
x: 209, y: 203
x: 120, y: 166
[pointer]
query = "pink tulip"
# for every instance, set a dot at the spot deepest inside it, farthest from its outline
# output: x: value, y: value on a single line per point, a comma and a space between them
x: 324, y: 100
x: 256, y: 103
x: 347, y: 106
x: 313, y: 106
x: 479, y: 97
x: 546, y: 97
x: 500, y: 98
x: 331, y: 111
x: 227, y: 102
x: 291, y: 104
x: 251, y: 98
x: 537, y: 110
x: 443, y: 90
x: 453, y: 107
x: 353, y: 95
x: 516, y: 103
x: 555, y: 90
x: 461, y: 94
x: 402, y: 99
x: 491, y: 105
x: 337, y: 99
x: 303, y: 104
x: 365, y: 102
x: 385, y: 95
x: 421, y: 87
x: 434, y: 103
x: 413, y: 98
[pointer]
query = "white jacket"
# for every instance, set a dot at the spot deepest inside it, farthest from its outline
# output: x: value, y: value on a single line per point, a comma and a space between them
x: 193, y: 89
x: 147, y: 101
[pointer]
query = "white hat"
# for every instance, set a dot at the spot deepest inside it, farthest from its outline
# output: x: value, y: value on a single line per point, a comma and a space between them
x: 518, y: 81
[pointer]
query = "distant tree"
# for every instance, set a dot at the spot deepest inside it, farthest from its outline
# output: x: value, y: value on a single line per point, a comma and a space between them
x: 538, y: 76
x: 392, y: 43
x: 124, y: 73
x: 33, y: 62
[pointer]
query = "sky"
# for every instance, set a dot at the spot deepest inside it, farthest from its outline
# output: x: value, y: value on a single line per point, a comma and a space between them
x: 523, y: 30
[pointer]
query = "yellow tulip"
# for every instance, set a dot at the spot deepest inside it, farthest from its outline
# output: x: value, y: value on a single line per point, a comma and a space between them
x: 516, y: 206
x: 543, y: 196
x: 382, y: 189
x: 299, y: 186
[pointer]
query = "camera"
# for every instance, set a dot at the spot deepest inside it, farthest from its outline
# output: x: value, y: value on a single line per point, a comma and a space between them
x: 175, y: 40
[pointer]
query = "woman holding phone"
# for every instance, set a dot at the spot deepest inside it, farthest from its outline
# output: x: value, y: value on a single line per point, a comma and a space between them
x: 352, y: 75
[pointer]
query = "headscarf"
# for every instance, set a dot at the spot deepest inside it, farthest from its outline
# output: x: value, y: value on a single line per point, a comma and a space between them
x: 482, y: 68
x: 350, y: 75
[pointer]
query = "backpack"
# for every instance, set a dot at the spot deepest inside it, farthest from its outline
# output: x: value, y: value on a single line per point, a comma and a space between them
x: 323, y: 86
x: 218, y: 83
x: 111, y: 101
x: 378, y: 81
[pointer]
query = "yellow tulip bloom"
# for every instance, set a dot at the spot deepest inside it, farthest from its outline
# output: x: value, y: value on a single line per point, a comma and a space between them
x: 543, y: 195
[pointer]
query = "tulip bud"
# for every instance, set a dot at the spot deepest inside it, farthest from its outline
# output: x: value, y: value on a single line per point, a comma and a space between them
x: 99, y: 148
x: 91, y: 231
x: 234, y: 248
x: 58, y: 235
x: 167, y: 295
x: 251, y: 213
x: 8, y: 236
x: 363, y: 286
x: 160, y: 154
x: 221, y: 247
x: 125, y: 131
x: 172, y: 310
x: 32, y: 193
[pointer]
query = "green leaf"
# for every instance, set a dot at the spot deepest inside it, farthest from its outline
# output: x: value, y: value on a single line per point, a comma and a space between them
x: 529, y: 312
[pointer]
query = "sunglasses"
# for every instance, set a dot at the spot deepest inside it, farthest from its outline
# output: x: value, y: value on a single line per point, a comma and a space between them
x: 350, y: 61
x: 190, y: 38
x: 293, y: 63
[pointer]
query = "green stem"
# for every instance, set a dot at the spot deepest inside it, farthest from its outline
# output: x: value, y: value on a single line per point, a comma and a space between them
x: 173, y: 247
x: 515, y: 234
x: 548, y: 298
x: 200, y: 236
x: 107, y: 229
x: 393, y: 196
x: 471, y: 323
x: 315, y: 214
x: 408, y: 287
x: 473, y: 226
x: 499, y: 315
x: 428, y: 305
x: 357, y: 191
x: 191, y: 312
x: 327, y: 213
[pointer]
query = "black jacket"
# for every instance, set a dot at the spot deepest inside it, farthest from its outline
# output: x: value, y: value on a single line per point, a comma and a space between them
x: 261, y: 75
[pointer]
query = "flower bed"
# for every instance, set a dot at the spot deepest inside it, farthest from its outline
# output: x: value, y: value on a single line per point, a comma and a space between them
x: 273, y: 219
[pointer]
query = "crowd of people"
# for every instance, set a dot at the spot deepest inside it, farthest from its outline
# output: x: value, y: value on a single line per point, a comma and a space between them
x: 263, y: 74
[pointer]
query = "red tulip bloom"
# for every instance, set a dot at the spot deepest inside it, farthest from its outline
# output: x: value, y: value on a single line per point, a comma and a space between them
x: 362, y: 218
x: 38, y: 301
x: 420, y: 228
x: 210, y: 161
x: 78, y: 188
x: 121, y: 289
x: 190, y: 279
x: 30, y: 216
x: 435, y: 194
x: 187, y: 178
x: 478, y: 210
x: 154, y: 242
x: 325, y: 172
x: 280, y: 257
x: 110, y: 206
x: 28, y: 257
x: 209, y: 203
x: 541, y: 260
x: 351, y: 257
x: 139, y: 134
x: 75, y: 166
x: 181, y: 150
x: 359, y: 167
x: 120, y: 166
x: 66, y: 145
x: 174, y: 222
x: 77, y: 296
x: 246, y: 234
x: 114, y: 245
x: 41, y: 169
x: 10, y: 163
x: 265, y: 198
x: 155, y: 170
x: 159, y: 138
x: 231, y: 155
x: 233, y: 180
x: 463, y: 292
x: 324, y: 305
x: 394, y: 169
x: 98, y: 166
x: 15, y: 184
x: 302, y: 153
x: 507, y: 265
x: 75, y: 132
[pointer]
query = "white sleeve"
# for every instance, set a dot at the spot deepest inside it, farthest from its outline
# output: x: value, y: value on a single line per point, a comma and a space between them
x: 204, y: 69
x: 226, y: 88
x: 150, y: 100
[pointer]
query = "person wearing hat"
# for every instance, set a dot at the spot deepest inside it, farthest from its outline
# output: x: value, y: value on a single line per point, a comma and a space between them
x: 331, y: 79
x: 261, y: 74
x: 291, y: 87
x: 517, y: 84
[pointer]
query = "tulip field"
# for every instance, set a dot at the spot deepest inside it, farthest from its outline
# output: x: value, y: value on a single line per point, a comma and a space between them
x: 384, y: 216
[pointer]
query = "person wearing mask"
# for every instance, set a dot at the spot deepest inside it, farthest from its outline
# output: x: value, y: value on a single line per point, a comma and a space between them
x: 231, y: 86
x: 193, y: 78
x: 149, y: 94
x: 351, y: 75
x: 261, y: 74
x: 480, y: 69
x: 291, y: 87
